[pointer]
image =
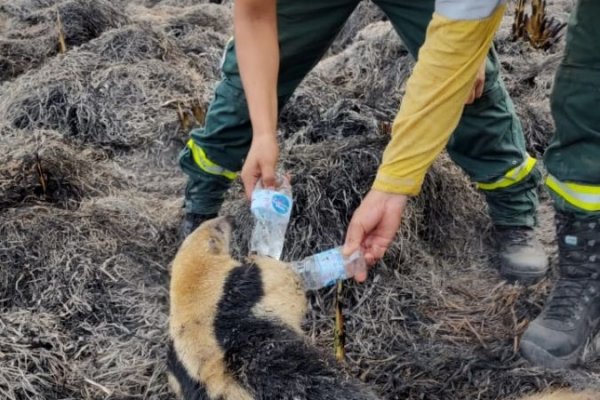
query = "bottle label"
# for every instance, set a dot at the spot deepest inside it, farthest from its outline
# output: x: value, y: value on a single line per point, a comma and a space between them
x: 269, y: 202
x: 281, y: 204
x: 330, y: 265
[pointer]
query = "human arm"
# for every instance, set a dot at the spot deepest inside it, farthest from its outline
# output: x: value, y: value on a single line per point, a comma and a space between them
x: 257, y: 50
x: 442, y: 81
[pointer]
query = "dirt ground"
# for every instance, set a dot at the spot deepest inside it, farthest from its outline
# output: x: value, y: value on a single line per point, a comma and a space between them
x: 91, y: 197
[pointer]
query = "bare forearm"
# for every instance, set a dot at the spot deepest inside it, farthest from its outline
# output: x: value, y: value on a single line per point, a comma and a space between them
x: 257, y: 49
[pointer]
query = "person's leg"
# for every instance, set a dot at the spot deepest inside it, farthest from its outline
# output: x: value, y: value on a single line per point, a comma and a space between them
x: 216, y: 151
x: 572, y: 312
x: 490, y: 147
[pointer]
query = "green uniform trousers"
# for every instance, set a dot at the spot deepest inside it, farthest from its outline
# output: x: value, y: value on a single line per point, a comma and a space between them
x: 573, y: 156
x: 488, y: 143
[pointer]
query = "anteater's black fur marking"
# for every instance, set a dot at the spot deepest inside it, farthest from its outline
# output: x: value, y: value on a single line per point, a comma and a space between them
x: 271, y: 360
x: 190, y: 388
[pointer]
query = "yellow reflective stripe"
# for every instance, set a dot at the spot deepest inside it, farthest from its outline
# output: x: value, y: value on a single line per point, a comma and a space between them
x: 514, y: 175
x: 586, y: 197
x: 225, y: 51
x: 206, y: 164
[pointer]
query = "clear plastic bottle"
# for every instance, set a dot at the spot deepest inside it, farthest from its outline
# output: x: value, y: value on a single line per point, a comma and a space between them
x: 271, y: 209
x: 326, y: 268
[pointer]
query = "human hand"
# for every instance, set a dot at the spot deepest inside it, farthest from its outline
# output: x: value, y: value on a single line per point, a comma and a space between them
x: 260, y: 163
x: 374, y: 226
x: 478, y: 85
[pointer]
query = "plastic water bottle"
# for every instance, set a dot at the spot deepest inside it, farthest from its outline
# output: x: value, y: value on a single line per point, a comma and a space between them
x: 326, y: 268
x: 271, y: 209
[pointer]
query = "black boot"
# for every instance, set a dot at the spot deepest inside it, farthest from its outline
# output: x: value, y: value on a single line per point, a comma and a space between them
x: 556, y: 338
x: 521, y: 256
x: 191, y: 221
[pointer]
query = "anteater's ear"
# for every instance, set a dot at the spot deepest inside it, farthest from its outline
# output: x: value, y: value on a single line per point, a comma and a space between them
x: 214, y: 247
x: 218, y: 235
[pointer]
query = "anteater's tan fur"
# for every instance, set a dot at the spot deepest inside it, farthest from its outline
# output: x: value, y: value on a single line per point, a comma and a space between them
x: 199, y: 272
x: 565, y: 395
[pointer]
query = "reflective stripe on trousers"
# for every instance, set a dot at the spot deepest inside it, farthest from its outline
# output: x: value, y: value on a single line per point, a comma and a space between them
x: 585, y: 197
x: 206, y: 164
x: 513, y: 176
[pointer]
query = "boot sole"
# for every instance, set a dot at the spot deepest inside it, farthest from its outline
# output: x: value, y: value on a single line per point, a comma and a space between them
x: 526, y: 279
x: 542, y: 358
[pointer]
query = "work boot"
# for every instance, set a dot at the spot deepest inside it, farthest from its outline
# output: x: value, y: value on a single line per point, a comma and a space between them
x: 556, y: 338
x: 191, y: 221
x: 521, y: 256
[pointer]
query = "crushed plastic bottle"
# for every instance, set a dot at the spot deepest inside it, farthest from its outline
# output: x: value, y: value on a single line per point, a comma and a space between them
x: 326, y: 268
x: 271, y: 209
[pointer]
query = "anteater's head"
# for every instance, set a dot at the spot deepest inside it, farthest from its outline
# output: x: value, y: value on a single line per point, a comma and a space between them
x: 212, y: 237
